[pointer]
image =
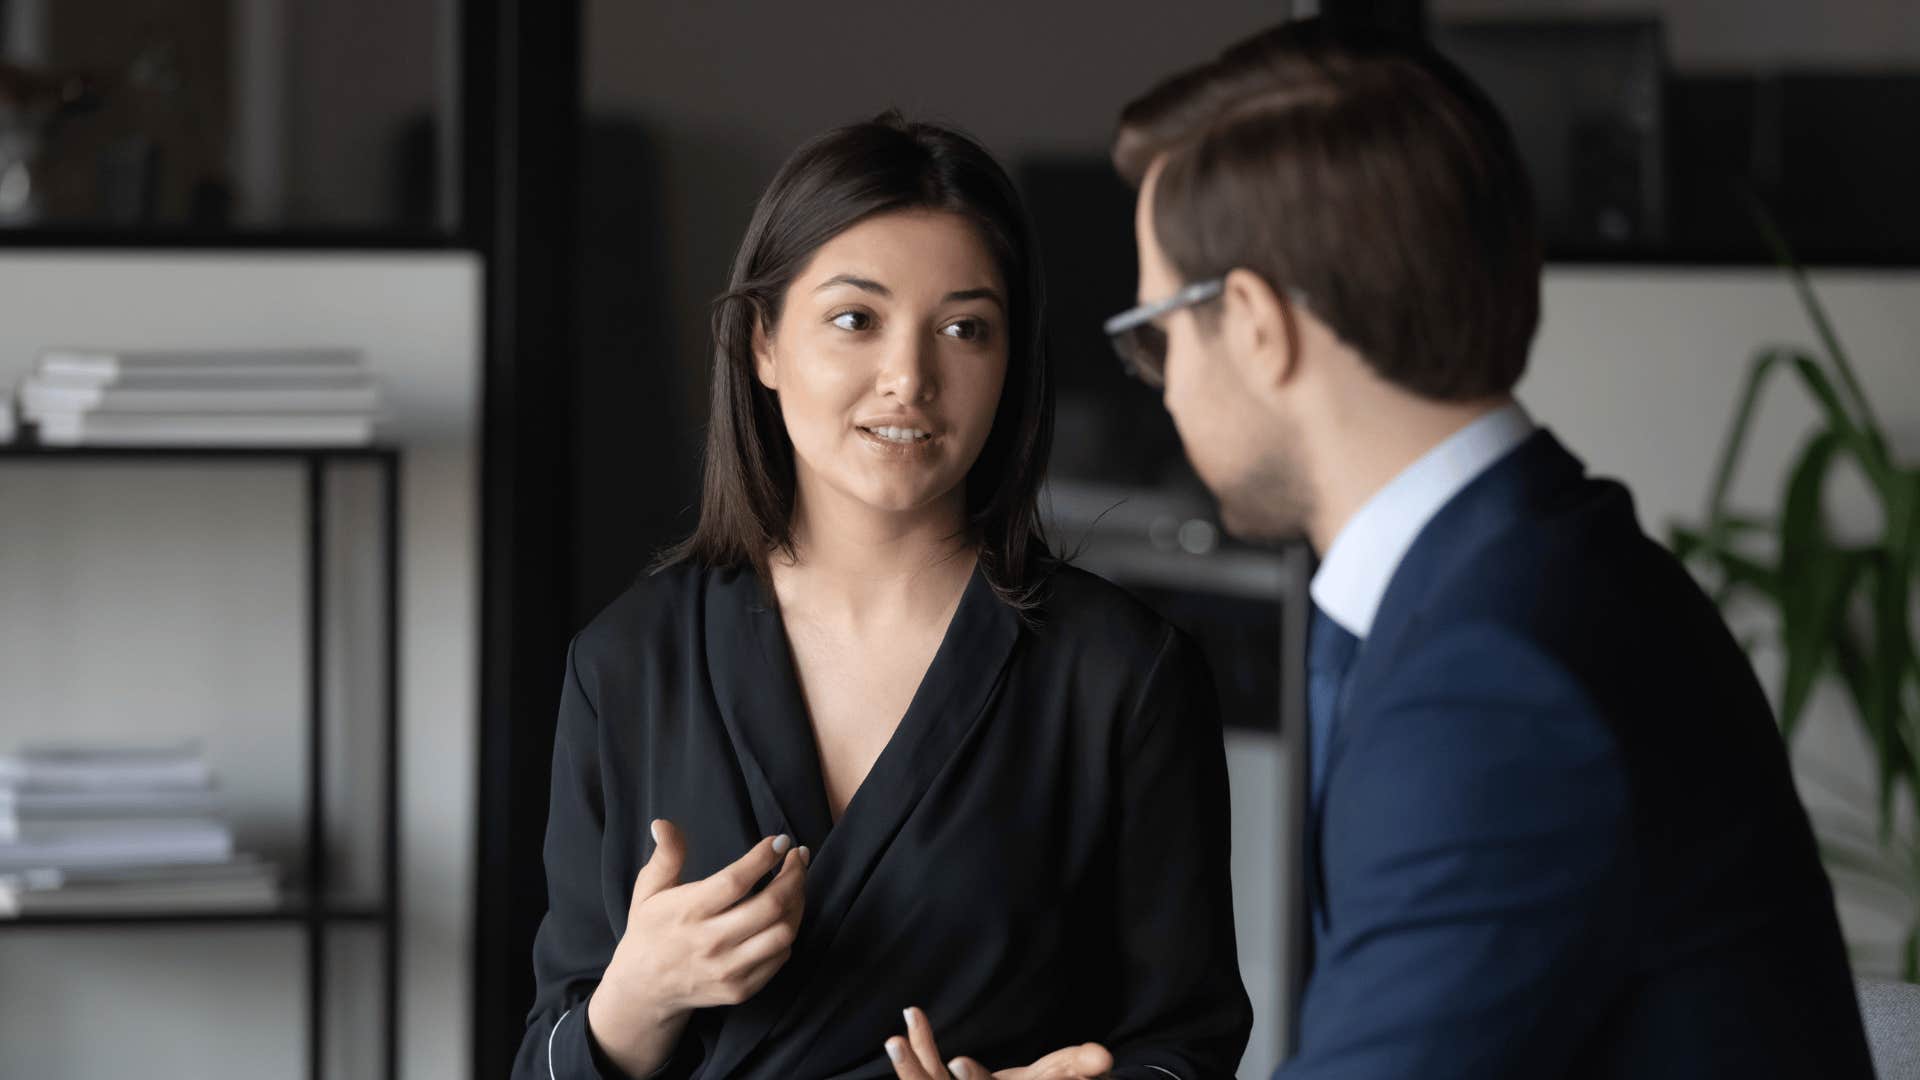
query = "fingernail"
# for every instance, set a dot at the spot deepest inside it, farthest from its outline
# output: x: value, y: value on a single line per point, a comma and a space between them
x: 908, y: 1013
x: 806, y: 856
x: 958, y: 1068
x: 653, y: 830
x: 895, y: 1050
x: 781, y: 843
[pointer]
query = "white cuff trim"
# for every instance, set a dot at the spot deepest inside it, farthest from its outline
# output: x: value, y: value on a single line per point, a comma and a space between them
x: 550, y: 1035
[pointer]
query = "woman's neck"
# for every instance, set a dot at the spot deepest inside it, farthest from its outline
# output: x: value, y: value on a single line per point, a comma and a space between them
x: 859, y: 565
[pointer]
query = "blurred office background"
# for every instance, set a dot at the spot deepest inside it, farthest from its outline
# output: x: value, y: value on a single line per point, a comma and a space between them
x: 516, y: 213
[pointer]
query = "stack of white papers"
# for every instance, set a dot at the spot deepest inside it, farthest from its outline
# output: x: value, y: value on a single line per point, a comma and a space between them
x: 76, y: 844
x: 115, y: 827
x: 242, y: 884
x: 278, y: 397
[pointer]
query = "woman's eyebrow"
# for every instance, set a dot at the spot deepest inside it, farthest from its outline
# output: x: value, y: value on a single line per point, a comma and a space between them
x: 982, y: 293
x: 858, y: 282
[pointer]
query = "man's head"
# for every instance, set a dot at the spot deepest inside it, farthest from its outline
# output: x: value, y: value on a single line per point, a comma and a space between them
x: 1367, y: 211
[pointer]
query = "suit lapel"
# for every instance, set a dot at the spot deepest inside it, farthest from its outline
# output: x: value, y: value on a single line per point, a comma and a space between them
x: 1485, y: 507
x: 1527, y: 477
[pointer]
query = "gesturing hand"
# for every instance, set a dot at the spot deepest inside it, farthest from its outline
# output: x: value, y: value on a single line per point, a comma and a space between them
x: 695, y: 945
x: 916, y: 1057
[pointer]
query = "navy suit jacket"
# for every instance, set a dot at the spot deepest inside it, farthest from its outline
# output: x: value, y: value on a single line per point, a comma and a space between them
x: 1558, y: 836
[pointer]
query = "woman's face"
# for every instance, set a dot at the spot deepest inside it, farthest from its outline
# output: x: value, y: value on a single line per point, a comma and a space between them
x: 888, y: 358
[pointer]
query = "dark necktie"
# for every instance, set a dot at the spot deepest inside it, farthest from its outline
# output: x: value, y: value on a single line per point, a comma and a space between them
x: 1330, y: 651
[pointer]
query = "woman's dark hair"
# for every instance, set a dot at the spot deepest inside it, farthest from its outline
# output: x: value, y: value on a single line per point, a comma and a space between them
x: 832, y: 183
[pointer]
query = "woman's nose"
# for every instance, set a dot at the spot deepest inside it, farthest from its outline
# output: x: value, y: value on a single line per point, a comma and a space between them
x: 907, y: 370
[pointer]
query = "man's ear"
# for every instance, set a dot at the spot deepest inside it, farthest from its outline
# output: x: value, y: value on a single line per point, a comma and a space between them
x: 763, y: 364
x: 1254, y: 320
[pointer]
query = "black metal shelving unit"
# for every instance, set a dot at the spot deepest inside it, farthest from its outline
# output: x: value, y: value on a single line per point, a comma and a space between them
x: 310, y: 908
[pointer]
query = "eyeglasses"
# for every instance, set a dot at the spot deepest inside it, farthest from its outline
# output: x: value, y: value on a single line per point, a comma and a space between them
x: 1142, y: 344
x: 1138, y: 338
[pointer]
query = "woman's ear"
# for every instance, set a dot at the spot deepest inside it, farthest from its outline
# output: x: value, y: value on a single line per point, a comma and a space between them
x: 763, y: 364
x: 1255, y: 325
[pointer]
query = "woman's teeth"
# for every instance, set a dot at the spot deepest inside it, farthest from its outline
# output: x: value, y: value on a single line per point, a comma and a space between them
x: 900, y: 434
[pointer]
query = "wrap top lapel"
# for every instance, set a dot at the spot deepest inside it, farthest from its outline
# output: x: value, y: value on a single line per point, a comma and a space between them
x: 779, y: 757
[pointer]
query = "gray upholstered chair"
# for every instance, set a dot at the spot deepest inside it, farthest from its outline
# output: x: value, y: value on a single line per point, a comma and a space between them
x: 1892, y: 1015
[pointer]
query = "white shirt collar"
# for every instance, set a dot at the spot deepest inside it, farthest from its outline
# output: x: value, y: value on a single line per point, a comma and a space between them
x: 1353, y: 577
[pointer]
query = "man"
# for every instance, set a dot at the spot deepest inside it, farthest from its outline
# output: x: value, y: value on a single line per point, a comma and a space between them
x: 1550, y: 827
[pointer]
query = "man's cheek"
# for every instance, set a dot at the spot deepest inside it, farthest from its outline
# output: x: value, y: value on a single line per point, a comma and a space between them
x: 1186, y: 392
x: 1188, y: 418
x: 1172, y: 396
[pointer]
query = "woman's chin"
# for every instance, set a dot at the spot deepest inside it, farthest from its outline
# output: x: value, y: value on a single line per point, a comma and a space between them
x: 898, y: 503
x: 896, y: 498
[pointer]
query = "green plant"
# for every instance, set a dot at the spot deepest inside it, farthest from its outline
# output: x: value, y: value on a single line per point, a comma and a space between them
x: 1843, y: 606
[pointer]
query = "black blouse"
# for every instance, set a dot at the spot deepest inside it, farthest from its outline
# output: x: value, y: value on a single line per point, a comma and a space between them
x: 1038, y: 858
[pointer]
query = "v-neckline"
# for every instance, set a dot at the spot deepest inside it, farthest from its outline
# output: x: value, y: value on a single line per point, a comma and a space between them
x: 759, y: 701
x: 776, y: 725
x: 784, y: 646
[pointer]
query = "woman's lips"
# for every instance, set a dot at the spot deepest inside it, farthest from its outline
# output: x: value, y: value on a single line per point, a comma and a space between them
x: 898, y: 443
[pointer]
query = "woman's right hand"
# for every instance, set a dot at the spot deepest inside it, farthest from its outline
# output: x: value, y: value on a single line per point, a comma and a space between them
x: 695, y: 945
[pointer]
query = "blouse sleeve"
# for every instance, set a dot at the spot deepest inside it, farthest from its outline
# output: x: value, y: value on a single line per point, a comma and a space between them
x: 575, y: 941
x: 1184, y: 1011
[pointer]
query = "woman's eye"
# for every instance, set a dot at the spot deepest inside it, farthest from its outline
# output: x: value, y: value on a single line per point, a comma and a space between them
x: 853, y: 320
x: 965, y: 330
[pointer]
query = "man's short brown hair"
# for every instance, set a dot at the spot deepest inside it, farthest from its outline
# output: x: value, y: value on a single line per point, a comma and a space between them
x: 1365, y: 171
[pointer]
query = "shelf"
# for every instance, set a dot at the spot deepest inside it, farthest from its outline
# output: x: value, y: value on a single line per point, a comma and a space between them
x: 28, y: 450
x: 297, y: 911
x: 292, y: 913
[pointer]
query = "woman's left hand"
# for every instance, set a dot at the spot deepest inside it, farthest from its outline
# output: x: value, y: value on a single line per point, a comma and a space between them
x: 916, y: 1057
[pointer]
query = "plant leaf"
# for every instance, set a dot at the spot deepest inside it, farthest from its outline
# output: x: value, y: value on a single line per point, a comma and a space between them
x: 1870, y: 452
x: 1682, y: 541
x: 1758, y: 371
x: 1893, y: 653
x: 1816, y: 314
x: 1893, y: 744
x: 1815, y: 578
x: 1736, y: 572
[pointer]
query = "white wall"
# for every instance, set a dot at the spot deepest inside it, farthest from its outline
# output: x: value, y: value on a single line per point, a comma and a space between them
x: 162, y: 601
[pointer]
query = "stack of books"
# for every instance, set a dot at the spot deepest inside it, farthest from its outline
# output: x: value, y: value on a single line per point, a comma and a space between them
x: 259, y: 397
x: 120, y: 829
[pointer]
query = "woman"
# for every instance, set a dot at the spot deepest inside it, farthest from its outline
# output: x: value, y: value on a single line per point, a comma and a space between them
x: 982, y: 783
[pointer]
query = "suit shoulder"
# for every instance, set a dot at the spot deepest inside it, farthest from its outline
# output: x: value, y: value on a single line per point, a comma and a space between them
x: 1586, y: 567
x: 1583, y: 598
